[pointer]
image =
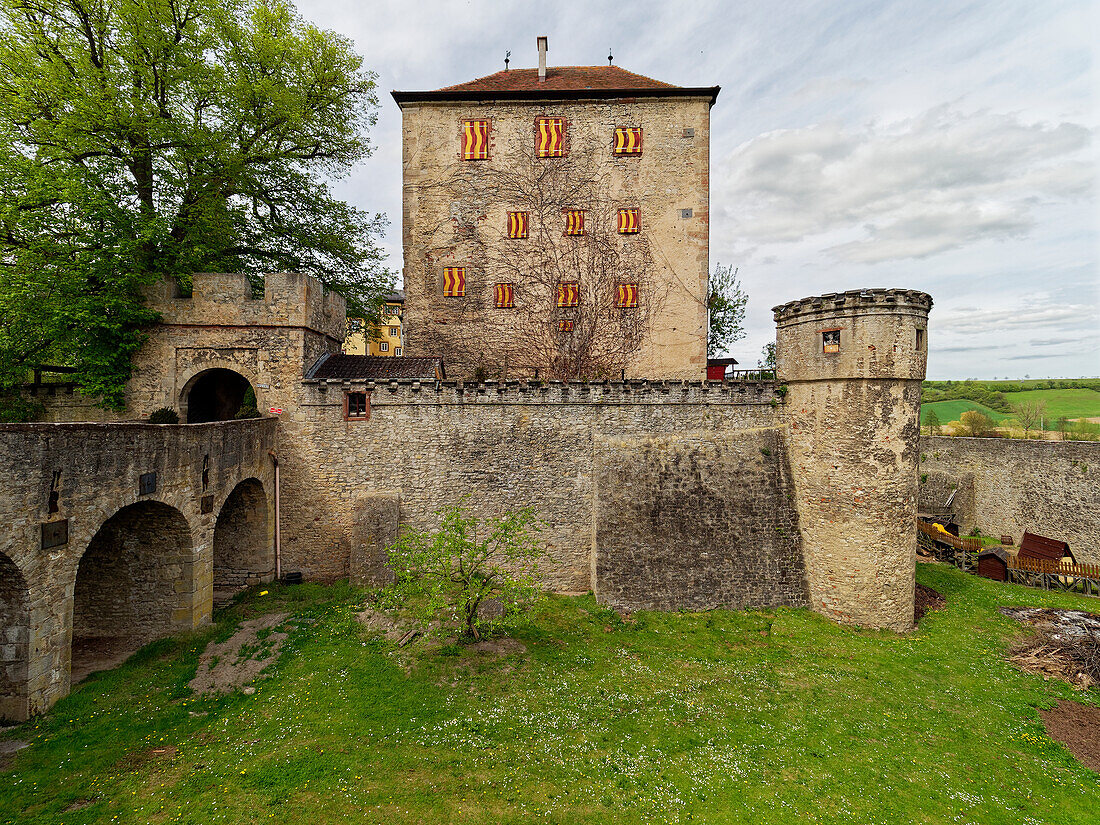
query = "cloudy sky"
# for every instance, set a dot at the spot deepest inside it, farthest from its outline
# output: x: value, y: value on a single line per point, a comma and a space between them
x: 946, y: 146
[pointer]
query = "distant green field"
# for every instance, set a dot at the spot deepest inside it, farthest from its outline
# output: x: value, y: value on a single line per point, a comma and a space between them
x: 953, y: 410
x: 1070, y: 403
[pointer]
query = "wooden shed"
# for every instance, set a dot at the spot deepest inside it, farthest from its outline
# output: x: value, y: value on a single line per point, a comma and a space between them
x: 993, y: 564
x: 1040, y: 548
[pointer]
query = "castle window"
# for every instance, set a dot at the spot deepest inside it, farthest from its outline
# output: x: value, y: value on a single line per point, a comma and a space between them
x: 454, y: 281
x: 569, y: 294
x: 627, y: 297
x: 384, y: 346
x: 565, y: 326
x: 629, y: 223
x: 920, y: 340
x: 628, y: 141
x: 504, y: 296
x: 475, y: 140
x: 830, y: 341
x: 574, y: 222
x: 551, y: 137
x: 356, y: 406
x: 517, y: 224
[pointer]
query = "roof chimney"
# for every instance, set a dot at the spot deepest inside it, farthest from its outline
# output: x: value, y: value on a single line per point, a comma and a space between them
x: 542, y: 58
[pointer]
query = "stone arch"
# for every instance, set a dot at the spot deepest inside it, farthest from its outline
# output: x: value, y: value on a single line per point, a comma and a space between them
x: 15, y: 628
x: 213, y: 394
x: 134, y: 583
x: 244, y: 550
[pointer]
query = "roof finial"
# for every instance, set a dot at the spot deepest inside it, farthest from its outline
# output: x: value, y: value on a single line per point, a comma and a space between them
x: 506, y: 56
x: 609, y: 57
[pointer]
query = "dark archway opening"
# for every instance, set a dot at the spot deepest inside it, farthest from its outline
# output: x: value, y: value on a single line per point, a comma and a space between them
x: 134, y: 584
x: 215, y: 395
x: 244, y: 552
x: 15, y: 629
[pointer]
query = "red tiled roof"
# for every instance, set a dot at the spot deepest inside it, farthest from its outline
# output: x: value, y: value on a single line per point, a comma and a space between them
x: 561, y: 81
x: 559, y: 78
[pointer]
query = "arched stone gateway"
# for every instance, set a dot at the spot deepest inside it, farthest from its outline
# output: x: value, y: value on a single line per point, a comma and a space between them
x: 214, y: 395
x: 244, y: 550
x: 14, y: 639
x: 134, y: 584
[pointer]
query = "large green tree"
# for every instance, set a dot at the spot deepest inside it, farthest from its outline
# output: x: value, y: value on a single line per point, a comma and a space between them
x: 150, y: 138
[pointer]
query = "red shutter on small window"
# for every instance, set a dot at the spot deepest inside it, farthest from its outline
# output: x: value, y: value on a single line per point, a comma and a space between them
x: 629, y: 223
x: 569, y: 294
x: 628, y: 141
x: 551, y: 137
x: 517, y: 224
x: 565, y: 326
x: 454, y: 281
x: 574, y: 222
x: 475, y: 140
x: 504, y: 296
x: 627, y: 297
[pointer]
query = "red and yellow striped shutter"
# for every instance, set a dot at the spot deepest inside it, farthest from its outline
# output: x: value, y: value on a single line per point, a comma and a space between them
x: 628, y: 141
x: 628, y: 221
x: 454, y: 281
x: 504, y: 296
x: 569, y: 294
x: 565, y: 326
x: 551, y: 137
x: 628, y: 296
x: 475, y: 140
x: 517, y: 224
x: 574, y: 222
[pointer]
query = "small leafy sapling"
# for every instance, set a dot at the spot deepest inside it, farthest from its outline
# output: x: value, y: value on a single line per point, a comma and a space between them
x: 450, y: 573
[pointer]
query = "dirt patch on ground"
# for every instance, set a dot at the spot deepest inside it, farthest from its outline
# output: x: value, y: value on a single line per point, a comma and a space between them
x: 240, y: 659
x: 1077, y: 727
x: 925, y: 600
x: 91, y: 654
x: 390, y: 625
x: 1066, y: 644
x: 498, y: 647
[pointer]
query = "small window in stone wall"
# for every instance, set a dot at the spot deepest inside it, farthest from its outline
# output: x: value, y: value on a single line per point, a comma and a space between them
x: 830, y: 341
x: 518, y: 223
x: 920, y: 340
x: 454, y: 281
x: 475, y: 140
x: 628, y: 141
x: 569, y: 294
x: 504, y: 295
x: 356, y: 406
x: 551, y: 137
x: 565, y: 326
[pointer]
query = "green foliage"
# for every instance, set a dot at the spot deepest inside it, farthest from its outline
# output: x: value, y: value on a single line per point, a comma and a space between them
x: 15, y: 409
x: 450, y: 573
x: 976, y: 423
x: 932, y: 421
x: 164, y: 415
x: 767, y: 356
x: 140, y: 140
x: 726, y: 310
x: 248, y: 405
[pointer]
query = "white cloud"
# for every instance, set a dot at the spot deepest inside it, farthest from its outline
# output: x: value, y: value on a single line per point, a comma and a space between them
x: 909, y: 189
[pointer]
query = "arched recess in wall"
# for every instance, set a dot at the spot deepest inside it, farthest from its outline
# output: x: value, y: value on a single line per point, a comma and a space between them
x: 134, y: 584
x: 214, y: 395
x: 14, y: 641
x: 244, y: 549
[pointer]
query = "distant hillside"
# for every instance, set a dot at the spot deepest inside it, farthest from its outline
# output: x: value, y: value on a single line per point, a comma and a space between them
x: 953, y: 410
x: 1069, y: 398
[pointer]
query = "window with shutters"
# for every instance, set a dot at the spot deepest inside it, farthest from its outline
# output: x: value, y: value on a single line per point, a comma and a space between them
x: 830, y: 341
x: 550, y: 137
x: 627, y: 296
x: 518, y: 223
x: 569, y: 294
x: 454, y: 281
x: 565, y: 326
x: 629, y: 223
x: 574, y: 222
x: 628, y: 141
x: 504, y: 294
x: 475, y: 140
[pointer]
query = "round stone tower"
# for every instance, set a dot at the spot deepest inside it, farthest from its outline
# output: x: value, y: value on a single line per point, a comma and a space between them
x: 853, y: 363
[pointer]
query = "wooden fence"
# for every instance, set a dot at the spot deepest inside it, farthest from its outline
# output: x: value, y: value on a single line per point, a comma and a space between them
x: 1048, y: 575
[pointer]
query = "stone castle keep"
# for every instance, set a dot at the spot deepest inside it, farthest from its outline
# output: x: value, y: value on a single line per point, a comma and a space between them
x: 655, y: 494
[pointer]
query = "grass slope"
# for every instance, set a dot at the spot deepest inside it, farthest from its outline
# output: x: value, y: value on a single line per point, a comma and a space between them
x: 952, y: 410
x: 1073, y: 403
x: 732, y: 717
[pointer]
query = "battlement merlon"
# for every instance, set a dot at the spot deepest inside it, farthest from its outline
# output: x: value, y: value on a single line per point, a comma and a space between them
x: 290, y: 299
x: 860, y: 334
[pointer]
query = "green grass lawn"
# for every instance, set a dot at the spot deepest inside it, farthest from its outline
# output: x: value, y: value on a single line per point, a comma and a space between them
x: 1073, y: 403
x: 739, y: 717
x: 952, y: 410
